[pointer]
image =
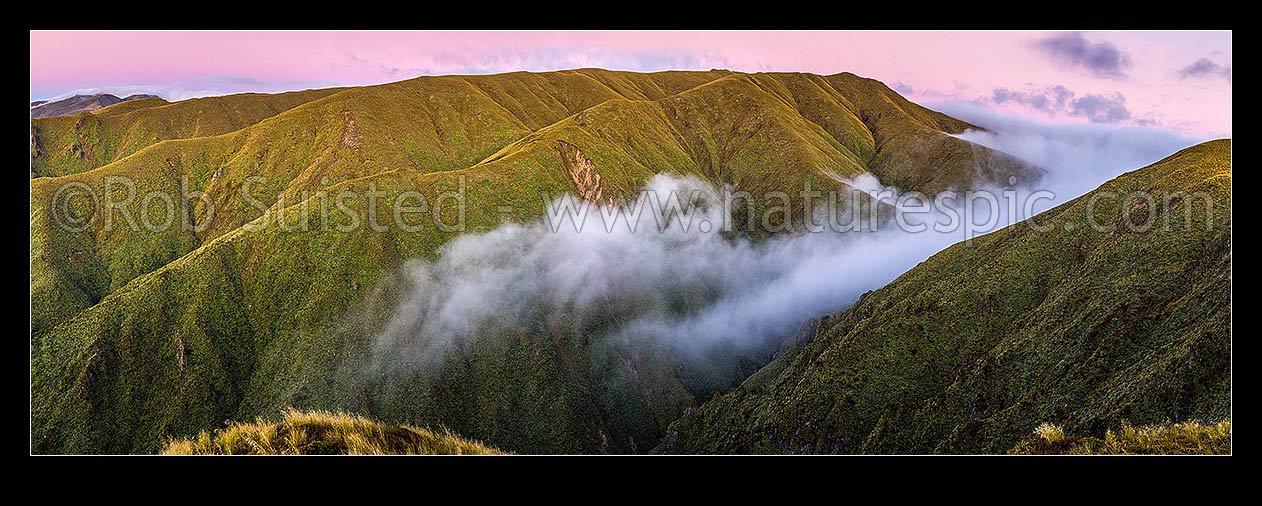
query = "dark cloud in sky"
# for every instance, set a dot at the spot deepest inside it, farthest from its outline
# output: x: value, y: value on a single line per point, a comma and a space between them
x: 1061, y: 101
x: 1205, y: 67
x: 1053, y: 99
x: 1073, y: 51
x: 1101, y: 108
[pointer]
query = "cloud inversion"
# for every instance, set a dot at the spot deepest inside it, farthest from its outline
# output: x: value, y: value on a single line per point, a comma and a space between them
x: 692, y: 290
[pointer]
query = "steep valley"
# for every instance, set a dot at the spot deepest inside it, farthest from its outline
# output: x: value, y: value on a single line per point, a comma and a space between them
x: 141, y: 336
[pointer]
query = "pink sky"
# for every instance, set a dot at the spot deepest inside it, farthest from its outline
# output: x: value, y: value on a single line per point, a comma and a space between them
x: 1178, y: 81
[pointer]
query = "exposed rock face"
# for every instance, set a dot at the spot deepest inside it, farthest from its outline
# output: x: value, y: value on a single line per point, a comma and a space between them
x: 582, y: 172
x: 350, y: 135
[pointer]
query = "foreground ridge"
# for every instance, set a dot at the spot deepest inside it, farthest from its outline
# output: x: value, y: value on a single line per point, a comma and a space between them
x: 325, y: 433
x: 1185, y: 438
x: 1087, y: 328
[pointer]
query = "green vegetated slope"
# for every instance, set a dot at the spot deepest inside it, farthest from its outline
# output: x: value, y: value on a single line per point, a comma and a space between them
x: 142, y: 335
x: 975, y: 347
x: 759, y: 132
x: 131, y: 105
x: 70, y: 144
x: 427, y: 124
x: 323, y: 433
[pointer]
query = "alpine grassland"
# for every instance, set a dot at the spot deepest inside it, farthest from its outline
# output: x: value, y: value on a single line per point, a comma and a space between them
x: 194, y: 262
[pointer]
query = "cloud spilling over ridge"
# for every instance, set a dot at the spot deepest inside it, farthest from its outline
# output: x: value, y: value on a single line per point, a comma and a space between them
x: 679, y: 282
x: 694, y: 289
x: 1079, y: 158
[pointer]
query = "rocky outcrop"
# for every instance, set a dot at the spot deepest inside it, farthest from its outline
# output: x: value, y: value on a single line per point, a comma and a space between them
x: 582, y: 172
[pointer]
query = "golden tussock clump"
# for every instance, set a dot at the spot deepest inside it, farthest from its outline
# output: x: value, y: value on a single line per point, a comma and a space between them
x: 325, y: 433
x: 1185, y: 438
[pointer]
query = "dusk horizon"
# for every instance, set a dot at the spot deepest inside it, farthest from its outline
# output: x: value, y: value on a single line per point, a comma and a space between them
x: 1173, y: 81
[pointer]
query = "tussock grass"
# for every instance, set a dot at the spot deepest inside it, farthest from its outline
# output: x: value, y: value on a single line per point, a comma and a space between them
x: 1185, y: 438
x: 325, y: 433
x: 1051, y: 433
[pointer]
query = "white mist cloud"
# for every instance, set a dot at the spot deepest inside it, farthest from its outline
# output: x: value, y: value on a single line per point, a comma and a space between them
x: 168, y: 93
x: 1078, y: 157
x: 206, y: 87
x: 678, y: 282
x: 695, y: 289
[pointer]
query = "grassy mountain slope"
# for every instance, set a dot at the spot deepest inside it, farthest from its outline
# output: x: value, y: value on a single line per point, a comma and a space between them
x: 131, y: 105
x: 261, y: 319
x: 973, y: 348
x: 71, y: 144
x: 427, y: 124
x: 144, y: 335
x: 760, y: 132
x: 322, y: 433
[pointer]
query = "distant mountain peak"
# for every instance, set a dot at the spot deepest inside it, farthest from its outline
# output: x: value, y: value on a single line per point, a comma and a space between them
x: 79, y: 104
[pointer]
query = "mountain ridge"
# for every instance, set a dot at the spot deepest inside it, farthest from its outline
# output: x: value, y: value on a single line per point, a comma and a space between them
x: 972, y: 349
x: 140, y: 336
x: 78, y: 104
x: 689, y: 156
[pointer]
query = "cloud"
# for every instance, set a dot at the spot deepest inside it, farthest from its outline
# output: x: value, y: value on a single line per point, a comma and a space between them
x: 1079, y: 157
x: 1057, y: 100
x: 902, y: 88
x: 1051, y: 99
x: 1204, y: 67
x: 685, y: 286
x: 484, y: 60
x: 693, y: 291
x: 170, y: 93
x: 196, y: 88
x: 1101, y: 109
x: 1073, y: 51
